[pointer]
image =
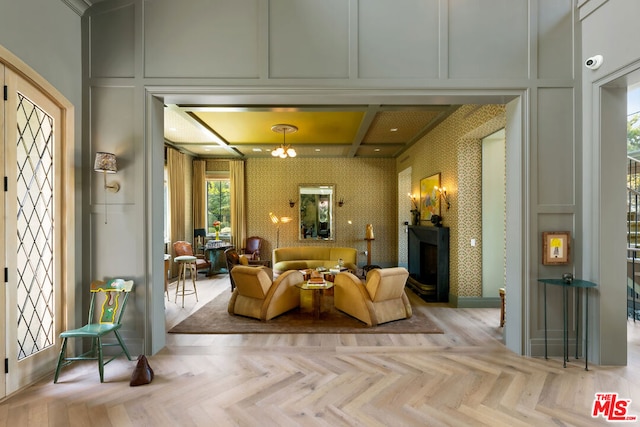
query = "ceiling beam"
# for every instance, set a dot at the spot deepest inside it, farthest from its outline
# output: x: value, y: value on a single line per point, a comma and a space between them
x: 365, y: 124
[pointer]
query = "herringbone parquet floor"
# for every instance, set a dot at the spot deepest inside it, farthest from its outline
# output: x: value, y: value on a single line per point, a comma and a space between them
x: 464, y: 377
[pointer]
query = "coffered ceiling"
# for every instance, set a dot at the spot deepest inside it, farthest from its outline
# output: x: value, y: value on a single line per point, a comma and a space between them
x: 323, y: 131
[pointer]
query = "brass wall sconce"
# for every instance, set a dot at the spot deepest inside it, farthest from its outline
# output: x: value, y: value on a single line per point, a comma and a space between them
x: 442, y: 194
x: 291, y: 203
x: 106, y: 163
x: 341, y: 202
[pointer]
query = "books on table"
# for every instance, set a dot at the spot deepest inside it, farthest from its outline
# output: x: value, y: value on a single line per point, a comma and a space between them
x: 317, y: 282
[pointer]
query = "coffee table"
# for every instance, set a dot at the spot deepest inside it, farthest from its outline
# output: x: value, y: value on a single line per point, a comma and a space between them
x: 317, y: 291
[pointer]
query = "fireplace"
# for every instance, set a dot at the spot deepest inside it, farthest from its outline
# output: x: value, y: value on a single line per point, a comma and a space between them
x: 429, y: 262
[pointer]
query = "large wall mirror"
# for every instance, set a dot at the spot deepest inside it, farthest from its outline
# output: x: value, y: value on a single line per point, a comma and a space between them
x: 316, y: 211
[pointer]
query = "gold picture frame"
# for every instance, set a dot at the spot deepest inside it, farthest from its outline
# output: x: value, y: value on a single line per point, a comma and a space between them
x: 429, y: 200
x: 556, y: 247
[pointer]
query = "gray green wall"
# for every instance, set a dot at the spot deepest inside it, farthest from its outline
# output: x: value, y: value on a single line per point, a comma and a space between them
x: 46, y: 35
x: 140, y: 53
x: 332, y: 51
x: 610, y: 29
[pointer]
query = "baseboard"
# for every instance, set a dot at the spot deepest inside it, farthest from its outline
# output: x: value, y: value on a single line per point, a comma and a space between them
x: 474, y: 302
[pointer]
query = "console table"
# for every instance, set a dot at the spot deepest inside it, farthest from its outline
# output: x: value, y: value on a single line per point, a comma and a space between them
x: 213, y: 249
x: 577, y: 285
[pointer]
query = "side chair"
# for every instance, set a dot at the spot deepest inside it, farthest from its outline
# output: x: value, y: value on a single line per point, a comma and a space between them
x: 233, y: 258
x: 114, y: 294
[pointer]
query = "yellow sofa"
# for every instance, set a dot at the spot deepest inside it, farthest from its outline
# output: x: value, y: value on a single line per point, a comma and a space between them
x: 303, y: 257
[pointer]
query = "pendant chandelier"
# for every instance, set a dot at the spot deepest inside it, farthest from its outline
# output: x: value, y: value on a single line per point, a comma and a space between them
x: 284, y: 150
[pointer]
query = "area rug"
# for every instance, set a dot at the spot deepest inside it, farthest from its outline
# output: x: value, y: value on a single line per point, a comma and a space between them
x: 213, y: 318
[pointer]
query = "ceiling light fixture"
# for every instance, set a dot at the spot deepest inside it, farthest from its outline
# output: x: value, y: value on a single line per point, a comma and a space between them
x: 284, y: 150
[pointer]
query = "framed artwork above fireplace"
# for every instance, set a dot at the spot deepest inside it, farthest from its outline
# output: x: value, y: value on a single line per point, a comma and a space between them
x: 429, y: 200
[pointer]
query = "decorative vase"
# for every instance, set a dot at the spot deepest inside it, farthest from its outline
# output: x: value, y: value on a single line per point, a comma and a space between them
x: 415, y: 217
x: 369, y: 232
x: 217, y: 235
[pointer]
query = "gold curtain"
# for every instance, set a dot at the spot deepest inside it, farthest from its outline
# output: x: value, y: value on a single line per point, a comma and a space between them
x: 238, y: 209
x: 175, y: 171
x: 199, y: 194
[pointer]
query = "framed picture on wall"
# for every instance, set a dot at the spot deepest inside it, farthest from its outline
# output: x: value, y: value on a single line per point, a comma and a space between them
x: 555, y: 247
x: 429, y: 200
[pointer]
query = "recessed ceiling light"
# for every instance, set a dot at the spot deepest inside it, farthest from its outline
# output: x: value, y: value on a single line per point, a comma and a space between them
x: 172, y: 129
x: 317, y: 149
x: 256, y: 149
x: 376, y: 149
x: 394, y: 129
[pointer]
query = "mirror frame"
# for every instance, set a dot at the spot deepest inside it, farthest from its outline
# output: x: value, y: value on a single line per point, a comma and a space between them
x: 318, y: 194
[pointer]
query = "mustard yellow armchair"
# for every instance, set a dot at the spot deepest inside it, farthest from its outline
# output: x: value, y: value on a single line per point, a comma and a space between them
x: 381, y: 299
x: 257, y: 296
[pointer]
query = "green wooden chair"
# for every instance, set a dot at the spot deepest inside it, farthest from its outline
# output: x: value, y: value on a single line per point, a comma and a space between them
x: 114, y: 294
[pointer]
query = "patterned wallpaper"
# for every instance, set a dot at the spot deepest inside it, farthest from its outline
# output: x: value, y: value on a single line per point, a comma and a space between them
x: 454, y: 150
x: 368, y: 187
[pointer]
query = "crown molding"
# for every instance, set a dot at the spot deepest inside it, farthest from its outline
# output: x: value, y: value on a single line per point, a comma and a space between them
x: 78, y: 6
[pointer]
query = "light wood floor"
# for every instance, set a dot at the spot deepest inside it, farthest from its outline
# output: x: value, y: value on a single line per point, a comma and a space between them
x: 464, y: 377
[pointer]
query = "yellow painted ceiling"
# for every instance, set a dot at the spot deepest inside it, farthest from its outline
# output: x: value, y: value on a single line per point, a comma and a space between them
x: 323, y: 131
x: 254, y: 127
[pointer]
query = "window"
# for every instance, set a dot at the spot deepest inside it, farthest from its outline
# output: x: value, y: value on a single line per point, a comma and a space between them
x: 219, y: 205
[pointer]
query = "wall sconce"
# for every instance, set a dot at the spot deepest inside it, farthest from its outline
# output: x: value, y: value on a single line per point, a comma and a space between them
x: 340, y: 202
x: 106, y: 163
x: 291, y: 203
x: 442, y: 194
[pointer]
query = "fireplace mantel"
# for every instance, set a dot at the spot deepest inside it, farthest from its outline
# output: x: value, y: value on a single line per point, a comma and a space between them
x: 429, y: 262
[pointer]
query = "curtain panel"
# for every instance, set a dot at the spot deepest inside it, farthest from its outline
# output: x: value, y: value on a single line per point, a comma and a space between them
x: 238, y: 208
x: 175, y: 173
x: 199, y: 194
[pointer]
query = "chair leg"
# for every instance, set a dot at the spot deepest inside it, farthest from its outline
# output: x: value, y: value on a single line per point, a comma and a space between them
x: 100, y: 359
x: 194, y: 277
x: 122, y: 344
x: 63, y: 348
x: 181, y: 274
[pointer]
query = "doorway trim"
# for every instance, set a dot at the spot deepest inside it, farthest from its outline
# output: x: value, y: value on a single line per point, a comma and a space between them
x: 517, y: 196
x: 67, y: 221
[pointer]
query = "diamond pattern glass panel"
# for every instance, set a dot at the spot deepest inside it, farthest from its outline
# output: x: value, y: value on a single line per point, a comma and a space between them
x: 35, y: 228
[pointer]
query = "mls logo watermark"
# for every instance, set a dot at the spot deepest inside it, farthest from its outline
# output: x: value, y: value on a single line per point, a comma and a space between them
x: 611, y: 408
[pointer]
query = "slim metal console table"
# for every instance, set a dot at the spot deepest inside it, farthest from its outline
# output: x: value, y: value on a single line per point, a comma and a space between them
x: 576, y: 285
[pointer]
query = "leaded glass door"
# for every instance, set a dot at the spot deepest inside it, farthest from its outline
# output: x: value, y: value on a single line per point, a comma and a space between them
x: 32, y: 232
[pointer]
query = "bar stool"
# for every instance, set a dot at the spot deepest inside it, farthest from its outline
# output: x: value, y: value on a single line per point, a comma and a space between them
x: 184, y: 262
